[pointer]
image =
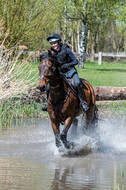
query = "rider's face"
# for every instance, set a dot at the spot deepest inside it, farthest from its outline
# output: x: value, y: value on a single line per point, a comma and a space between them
x: 55, y: 45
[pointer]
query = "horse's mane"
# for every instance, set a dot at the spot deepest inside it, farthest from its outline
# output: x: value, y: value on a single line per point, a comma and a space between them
x: 46, y: 55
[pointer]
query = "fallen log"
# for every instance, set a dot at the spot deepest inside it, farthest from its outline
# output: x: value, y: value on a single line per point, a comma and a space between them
x: 101, y: 93
x: 110, y: 93
x: 37, y: 95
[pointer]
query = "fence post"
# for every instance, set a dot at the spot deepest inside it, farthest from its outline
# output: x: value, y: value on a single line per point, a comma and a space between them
x: 99, y: 58
x: 35, y: 58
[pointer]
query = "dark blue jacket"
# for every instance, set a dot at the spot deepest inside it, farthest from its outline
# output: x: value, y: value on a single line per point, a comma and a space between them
x: 65, y: 56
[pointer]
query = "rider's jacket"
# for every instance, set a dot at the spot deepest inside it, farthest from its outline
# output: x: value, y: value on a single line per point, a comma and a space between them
x: 65, y: 56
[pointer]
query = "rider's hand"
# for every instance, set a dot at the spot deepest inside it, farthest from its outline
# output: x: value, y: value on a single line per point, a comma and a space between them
x: 65, y: 66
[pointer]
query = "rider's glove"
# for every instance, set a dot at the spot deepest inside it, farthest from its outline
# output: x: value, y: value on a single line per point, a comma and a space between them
x: 65, y: 66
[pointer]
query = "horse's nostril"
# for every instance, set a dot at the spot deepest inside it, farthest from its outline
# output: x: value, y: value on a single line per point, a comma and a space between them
x: 38, y: 87
x: 41, y: 88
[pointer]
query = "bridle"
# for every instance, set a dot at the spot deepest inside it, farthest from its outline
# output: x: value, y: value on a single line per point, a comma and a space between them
x: 43, y: 74
x: 52, y: 69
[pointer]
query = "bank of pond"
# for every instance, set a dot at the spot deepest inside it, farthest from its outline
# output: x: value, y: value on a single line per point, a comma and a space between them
x: 15, y: 110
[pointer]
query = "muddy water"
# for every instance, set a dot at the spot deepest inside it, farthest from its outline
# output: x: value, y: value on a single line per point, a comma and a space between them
x: 29, y: 159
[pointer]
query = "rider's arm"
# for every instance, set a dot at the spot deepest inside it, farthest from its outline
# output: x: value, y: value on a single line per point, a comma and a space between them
x: 72, y: 57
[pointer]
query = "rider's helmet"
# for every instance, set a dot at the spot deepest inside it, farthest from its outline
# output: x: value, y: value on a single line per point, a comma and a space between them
x: 54, y: 37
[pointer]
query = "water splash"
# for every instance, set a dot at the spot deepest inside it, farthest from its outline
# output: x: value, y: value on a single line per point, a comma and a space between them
x: 110, y: 136
x: 112, y: 133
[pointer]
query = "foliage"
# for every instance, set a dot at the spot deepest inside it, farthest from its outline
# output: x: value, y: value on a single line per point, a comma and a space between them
x: 29, y: 22
x: 25, y: 22
x: 15, y: 110
x: 116, y: 108
x: 16, y: 76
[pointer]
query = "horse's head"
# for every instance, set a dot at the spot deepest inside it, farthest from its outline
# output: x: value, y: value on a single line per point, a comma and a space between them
x: 46, y: 67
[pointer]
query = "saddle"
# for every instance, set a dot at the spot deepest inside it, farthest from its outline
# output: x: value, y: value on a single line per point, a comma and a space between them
x: 69, y: 81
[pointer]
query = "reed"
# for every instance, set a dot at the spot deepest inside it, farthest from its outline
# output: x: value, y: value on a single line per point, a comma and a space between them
x: 16, y: 74
x: 16, y: 77
x: 15, y: 111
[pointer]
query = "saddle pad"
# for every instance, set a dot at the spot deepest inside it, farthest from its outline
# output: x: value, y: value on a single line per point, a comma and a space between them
x: 70, y: 82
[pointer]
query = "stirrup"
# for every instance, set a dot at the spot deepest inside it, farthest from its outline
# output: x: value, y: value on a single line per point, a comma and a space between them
x: 44, y: 108
x: 84, y: 106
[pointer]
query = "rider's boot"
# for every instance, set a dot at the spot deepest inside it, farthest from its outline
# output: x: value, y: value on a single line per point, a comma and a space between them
x: 44, y: 108
x: 82, y: 98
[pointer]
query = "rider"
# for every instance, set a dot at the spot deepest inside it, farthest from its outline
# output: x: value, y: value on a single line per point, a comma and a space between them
x: 67, y: 60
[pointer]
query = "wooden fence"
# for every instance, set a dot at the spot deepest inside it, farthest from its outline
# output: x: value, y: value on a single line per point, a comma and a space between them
x: 100, y: 55
x: 35, y: 55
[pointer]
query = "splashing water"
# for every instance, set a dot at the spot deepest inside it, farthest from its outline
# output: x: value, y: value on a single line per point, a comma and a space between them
x: 31, y: 151
x: 113, y: 134
x: 110, y: 136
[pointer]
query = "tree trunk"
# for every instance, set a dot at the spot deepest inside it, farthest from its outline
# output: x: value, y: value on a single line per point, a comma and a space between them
x: 110, y: 93
x: 92, y: 50
x: 65, y: 27
x: 72, y: 42
x: 82, y: 46
x: 78, y: 40
x: 60, y: 28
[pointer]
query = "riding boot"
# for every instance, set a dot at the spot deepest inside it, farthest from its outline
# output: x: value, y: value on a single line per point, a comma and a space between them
x: 82, y: 98
x: 44, y: 108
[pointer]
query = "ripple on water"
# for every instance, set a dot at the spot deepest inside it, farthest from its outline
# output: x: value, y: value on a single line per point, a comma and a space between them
x: 29, y: 159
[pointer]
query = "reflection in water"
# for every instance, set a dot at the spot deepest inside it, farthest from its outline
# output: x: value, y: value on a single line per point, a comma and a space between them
x: 59, y: 181
x: 17, y: 174
x: 65, y: 181
x: 29, y: 161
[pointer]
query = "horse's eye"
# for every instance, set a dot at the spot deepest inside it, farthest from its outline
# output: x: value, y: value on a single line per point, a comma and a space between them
x: 53, y: 69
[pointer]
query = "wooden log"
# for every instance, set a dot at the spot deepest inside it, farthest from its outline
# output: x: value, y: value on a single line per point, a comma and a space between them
x: 110, y: 93
x: 37, y: 95
x: 102, y: 93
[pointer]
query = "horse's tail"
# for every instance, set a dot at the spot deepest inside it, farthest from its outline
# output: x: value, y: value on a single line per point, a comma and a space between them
x: 92, y: 113
x: 95, y: 117
x: 89, y: 92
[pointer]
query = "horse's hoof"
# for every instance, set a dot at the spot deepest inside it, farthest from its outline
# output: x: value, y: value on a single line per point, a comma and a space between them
x: 72, y: 145
x: 61, y: 149
x: 69, y: 145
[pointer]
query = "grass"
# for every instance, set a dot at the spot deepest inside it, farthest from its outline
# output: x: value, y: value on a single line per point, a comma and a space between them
x: 14, y: 110
x: 115, y: 108
x: 120, y: 184
x: 107, y: 74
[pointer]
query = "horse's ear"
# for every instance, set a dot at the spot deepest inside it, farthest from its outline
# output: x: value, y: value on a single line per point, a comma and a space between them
x: 52, y: 56
x: 49, y: 53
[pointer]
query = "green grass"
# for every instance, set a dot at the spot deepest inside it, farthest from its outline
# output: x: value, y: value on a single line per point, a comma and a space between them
x: 107, y: 74
x: 14, y: 111
x: 115, y: 108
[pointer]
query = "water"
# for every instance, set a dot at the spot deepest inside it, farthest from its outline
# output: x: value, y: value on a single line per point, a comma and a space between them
x: 29, y: 159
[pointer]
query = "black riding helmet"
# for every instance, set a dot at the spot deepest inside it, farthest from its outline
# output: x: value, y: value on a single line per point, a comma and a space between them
x: 54, y: 37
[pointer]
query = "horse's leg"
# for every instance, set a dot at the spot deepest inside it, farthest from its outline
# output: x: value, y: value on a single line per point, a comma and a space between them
x: 89, y: 115
x: 56, y: 130
x: 74, y: 126
x: 67, y: 125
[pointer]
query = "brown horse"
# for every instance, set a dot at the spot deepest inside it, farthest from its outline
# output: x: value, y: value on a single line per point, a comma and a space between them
x: 63, y: 103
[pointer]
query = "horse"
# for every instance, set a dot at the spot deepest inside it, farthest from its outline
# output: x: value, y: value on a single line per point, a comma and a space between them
x: 63, y: 104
